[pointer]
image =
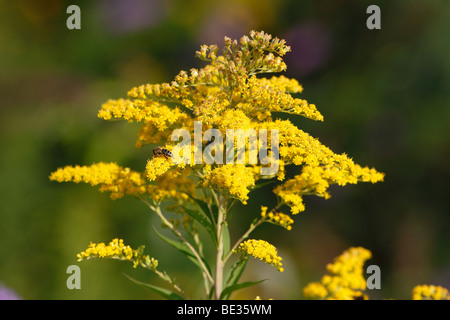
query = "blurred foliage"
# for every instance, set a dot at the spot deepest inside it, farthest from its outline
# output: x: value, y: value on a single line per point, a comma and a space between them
x: 384, y: 94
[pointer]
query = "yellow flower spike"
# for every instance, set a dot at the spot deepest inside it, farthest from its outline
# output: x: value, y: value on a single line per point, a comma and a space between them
x: 146, y: 111
x: 285, y: 84
x: 344, y: 280
x: 111, y: 178
x: 273, y: 95
x: 262, y: 250
x: 430, y: 292
x: 117, y: 250
x: 315, y: 290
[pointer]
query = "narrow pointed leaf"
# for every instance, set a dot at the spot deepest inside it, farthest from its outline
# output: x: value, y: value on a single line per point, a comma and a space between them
x: 236, y: 271
x: 163, y: 292
x: 183, y: 248
x: 228, y: 290
x: 225, y: 239
x: 204, y: 221
x: 234, y: 274
x: 205, y: 208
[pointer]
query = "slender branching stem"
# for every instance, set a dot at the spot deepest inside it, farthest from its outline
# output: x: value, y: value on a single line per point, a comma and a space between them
x: 163, y: 276
x: 244, y: 236
x: 157, y: 210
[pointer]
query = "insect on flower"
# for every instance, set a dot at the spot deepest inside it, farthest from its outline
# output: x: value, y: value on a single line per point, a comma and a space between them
x: 159, y: 151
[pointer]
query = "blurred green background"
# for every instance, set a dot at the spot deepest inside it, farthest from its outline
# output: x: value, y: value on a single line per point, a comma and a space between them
x: 384, y: 94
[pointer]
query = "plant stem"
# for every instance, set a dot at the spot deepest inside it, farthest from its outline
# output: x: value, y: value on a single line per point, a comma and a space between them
x: 163, y: 276
x: 157, y: 210
x: 218, y: 279
x: 245, y: 235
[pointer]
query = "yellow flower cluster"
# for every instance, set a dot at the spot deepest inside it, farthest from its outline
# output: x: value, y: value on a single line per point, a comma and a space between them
x: 117, y: 250
x: 320, y: 166
x: 284, y: 84
x: 430, y: 292
x: 344, y: 280
x: 156, y: 167
x: 233, y: 119
x: 262, y: 250
x: 123, y: 181
x: 210, y: 107
x: 277, y: 217
x: 236, y: 179
x: 258, y: 53
x: 262, y: 95
x: 292, y: 198
x: 156, y: 118
x: 146, y: 111
x: 111, y: 178
x: 174, y: 184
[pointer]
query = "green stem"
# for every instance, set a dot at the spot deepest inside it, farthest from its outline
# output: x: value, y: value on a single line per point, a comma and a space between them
x: 244, y: 236
x: 200, y: 250
x: 157, y: 210
x: 165, y: 277
x: 220, y: 263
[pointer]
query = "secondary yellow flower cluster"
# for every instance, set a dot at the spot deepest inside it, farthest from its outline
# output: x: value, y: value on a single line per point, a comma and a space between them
x: 262, y: 250
x: 157, y: 118
x: 124, y: 181
x: 321, y: 167
x: 175, y: 185
x: 278, y: 218
x: 117, y: 250
x: 110, y: 176
x: 430, y: 292
x: 249, y: 54
x: 273, y: 95
x: 345, y: 280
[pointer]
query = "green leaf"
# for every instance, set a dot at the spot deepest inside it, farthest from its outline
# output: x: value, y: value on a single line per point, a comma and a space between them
x: 163, y: 292
x: 183, y: 248
x: 205, y: 208
x: 205, y: 222
x: 228, y: 290
x: 225, y: 239
x: 235, y: 272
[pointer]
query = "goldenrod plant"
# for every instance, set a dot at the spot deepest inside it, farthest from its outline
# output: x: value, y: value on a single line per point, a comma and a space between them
x: 225, y: 114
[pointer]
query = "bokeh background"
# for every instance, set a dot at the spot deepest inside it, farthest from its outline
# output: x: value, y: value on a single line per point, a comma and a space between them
x: 384, y: 94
